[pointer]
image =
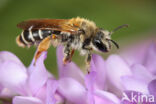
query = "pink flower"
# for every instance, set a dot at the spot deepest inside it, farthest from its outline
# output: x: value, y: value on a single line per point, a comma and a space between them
x: 108, y: 82
x: 125, y: 78
x: 34, y: 85
x: 25, y: 85
x: 135, y: 72
x: 78, y: 88
x: 115, y: 76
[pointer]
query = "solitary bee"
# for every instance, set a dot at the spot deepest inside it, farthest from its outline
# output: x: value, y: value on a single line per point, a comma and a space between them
x: 75, y: 34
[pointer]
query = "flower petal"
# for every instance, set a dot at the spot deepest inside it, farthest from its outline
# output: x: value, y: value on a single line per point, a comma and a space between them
x: 52, y: 86
x: 136, y: 53
x: 13, y: 76
x: 100, y: 67
x: 130, y: 83
x: 89, y: 81
x: 116, y: 67
x: 7, y: 93
x: 1, y: 87
x: 152, y: 87
x: 26, y: 100
x: 150, y: 59
x: 99, y: 100
x: 140, y: 72
x: 41, y: 93
x: 6, y: 56
x: 72, y: 90
x: 38, y: 74
x: 106, y: 97
x: 70, y: 69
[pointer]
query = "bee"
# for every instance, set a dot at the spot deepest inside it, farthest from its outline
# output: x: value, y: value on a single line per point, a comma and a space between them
x: 75, y: 34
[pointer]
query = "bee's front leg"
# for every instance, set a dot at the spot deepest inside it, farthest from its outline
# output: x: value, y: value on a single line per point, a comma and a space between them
x: 68, y: 54
x: 88, y: 60
x: 89, y: 56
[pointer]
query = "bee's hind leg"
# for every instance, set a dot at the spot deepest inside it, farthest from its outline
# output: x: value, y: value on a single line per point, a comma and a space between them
x: 68, y: 54
x: 43, y: 46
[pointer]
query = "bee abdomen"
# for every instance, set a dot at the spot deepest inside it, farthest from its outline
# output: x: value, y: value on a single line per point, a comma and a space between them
x: 30, y: 37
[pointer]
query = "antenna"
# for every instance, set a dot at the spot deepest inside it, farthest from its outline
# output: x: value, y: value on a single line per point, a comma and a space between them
x: 116, y: 44
x: 119, y: 27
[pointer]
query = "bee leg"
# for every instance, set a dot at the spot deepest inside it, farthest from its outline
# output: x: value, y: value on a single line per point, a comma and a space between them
x: 68, y: 54
x: 88, y: 60
x: 68, y: 57
x: 89, y: 55
x: 71, y: 54
x: 43, y: 46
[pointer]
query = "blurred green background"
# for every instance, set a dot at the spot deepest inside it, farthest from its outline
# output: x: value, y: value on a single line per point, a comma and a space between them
x: 108, y: 14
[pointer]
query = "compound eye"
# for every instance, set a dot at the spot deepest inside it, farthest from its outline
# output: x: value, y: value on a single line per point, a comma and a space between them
x: 99, y: 45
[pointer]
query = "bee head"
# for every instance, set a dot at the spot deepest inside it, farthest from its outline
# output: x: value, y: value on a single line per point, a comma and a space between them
x: 102, y: 40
